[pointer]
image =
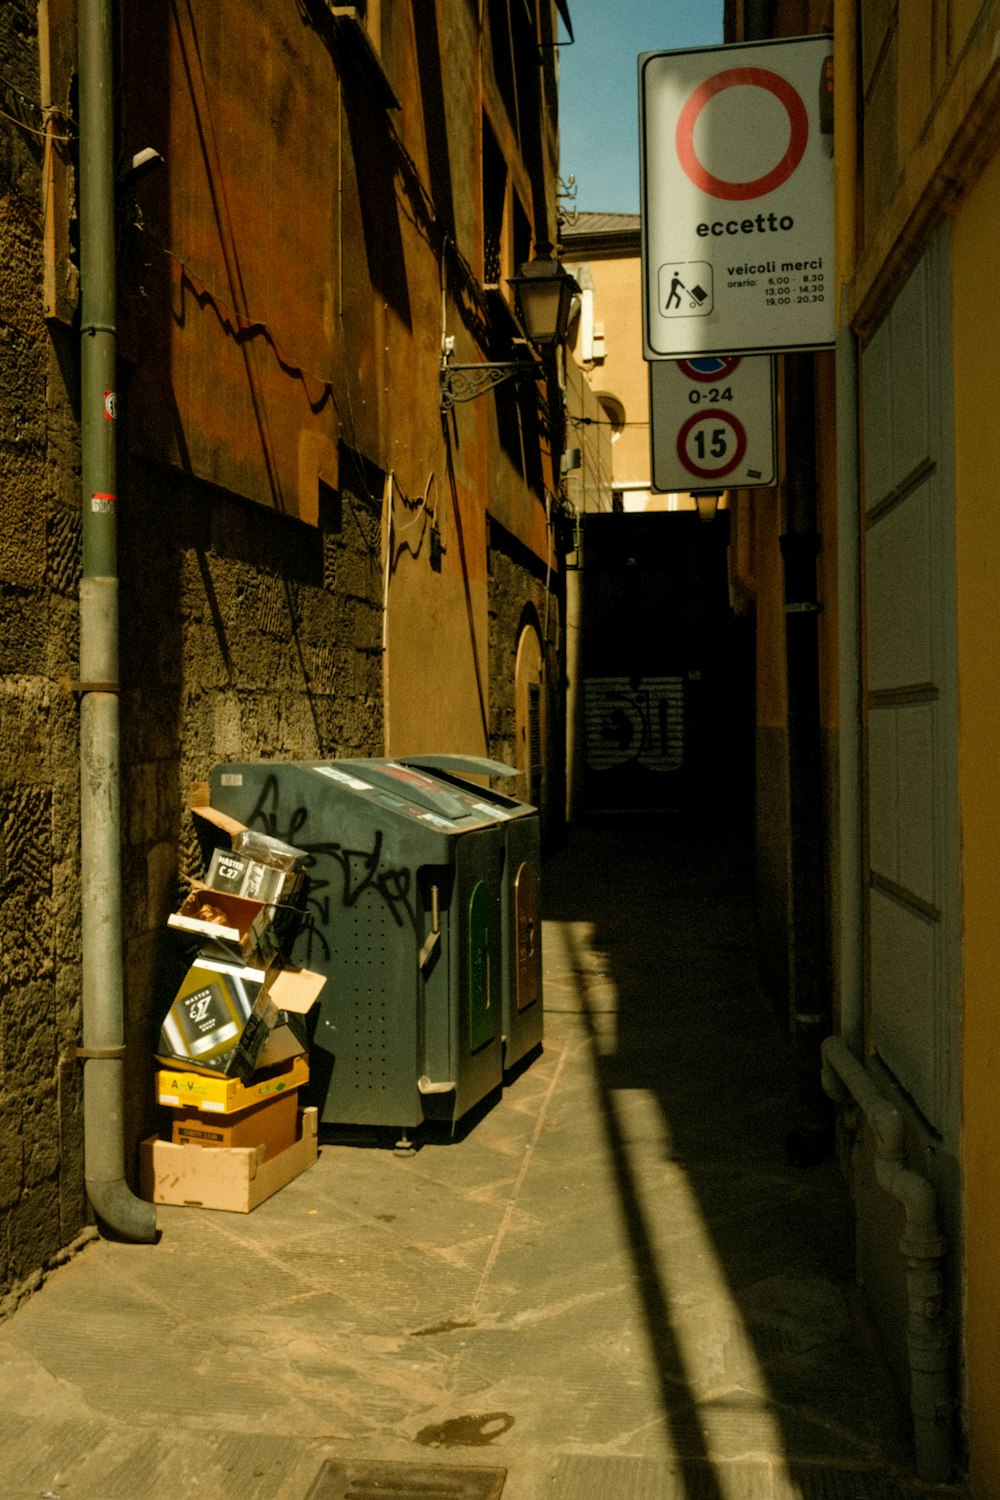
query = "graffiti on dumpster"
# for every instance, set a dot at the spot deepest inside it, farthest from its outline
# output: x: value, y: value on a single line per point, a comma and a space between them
x: 363, y: 871
x: 634, y: 721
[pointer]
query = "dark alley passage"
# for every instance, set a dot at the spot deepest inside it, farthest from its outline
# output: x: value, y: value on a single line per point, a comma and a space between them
x: 611, y: 1285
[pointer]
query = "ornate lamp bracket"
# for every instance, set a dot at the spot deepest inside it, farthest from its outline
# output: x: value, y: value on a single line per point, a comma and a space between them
x: 466, y: 382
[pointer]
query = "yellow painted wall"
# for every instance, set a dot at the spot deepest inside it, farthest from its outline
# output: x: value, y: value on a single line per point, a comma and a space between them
x: 946, y: 161
x: 929, y: 90
x: 975, y: 265
x: 622, y: 371
x: 484, y: 461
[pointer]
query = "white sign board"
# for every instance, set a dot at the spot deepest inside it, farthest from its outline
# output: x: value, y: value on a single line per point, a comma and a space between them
x: 712, y: 423
x: 737, y: 198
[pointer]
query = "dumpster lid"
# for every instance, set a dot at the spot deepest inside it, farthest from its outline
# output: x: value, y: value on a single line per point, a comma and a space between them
x: 410, y: 784
x: 455, y: 768
x: 463, y: 765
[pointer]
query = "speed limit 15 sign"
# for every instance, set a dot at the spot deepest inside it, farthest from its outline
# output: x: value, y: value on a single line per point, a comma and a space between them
x: 712, y: 423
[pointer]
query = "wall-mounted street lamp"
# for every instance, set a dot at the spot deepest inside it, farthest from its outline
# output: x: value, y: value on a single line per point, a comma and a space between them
x: 544, y: 292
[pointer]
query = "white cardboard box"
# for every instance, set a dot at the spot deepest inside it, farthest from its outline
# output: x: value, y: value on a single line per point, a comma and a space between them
x: 236, y: 1179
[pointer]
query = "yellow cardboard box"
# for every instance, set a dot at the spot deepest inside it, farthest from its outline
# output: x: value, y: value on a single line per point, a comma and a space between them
x: 180, y: 1089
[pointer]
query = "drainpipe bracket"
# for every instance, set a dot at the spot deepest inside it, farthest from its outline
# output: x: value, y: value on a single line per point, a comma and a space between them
x: 85, y: 1054
x: 921, y: 1249
x: 89, y: 687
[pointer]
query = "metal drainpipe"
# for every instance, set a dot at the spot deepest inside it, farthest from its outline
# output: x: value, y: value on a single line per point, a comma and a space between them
x: 810, y: 1019
x: 809, y: 1010
x: 758, y: 20
x: 928, y: 1336
x: 103, y: 1050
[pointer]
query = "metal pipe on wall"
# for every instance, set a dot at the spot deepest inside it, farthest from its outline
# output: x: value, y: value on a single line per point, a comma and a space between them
x: 103, y: 1050
x: 809, y: 1003
x: 850, y: 876
x: 758, y: 20
x: 928, y: 1336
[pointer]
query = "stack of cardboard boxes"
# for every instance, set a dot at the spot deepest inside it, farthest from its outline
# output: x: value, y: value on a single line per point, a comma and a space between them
x: 232, y: 1044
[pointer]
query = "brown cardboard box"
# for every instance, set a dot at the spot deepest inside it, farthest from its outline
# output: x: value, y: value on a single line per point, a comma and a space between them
x: 241, y: 875
x: 233, y: 849
x: 249, y: 930
x: 235, y: 1178
x: 271, y: 1124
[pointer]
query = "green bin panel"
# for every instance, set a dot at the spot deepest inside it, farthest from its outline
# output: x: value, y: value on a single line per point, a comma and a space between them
x: 517, y: 958
x: 482, y: 948
x: 527, y: 929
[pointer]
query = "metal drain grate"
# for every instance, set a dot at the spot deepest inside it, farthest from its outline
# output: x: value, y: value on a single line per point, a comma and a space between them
x: 395, y: 1481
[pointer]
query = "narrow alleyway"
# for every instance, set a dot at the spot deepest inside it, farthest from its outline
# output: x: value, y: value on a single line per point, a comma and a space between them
x: 613, y: 1285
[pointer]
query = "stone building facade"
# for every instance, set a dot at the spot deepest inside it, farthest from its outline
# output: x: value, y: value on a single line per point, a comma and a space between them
x: 905, y: 687
x: 314, y: 560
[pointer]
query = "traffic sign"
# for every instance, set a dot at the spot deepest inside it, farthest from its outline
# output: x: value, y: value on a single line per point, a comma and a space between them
x: 712, y: 423
x: 737, y: 198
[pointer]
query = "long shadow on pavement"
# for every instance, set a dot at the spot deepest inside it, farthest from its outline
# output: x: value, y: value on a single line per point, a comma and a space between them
x: 759, y: 1335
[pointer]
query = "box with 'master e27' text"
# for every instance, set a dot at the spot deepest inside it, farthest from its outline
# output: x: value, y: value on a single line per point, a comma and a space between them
x: 224, y: 1013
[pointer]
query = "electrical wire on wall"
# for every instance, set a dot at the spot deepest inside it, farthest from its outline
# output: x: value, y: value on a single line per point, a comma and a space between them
x: 443, y: 282
x: 602, y: 422
x: 50, y: 114
x: 423, y: 513
x: 549, y: 527
x: 387, y: 567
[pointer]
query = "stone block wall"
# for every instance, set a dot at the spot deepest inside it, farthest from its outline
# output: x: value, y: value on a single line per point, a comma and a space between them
x: 246, y: 635
x: 41, y: 1176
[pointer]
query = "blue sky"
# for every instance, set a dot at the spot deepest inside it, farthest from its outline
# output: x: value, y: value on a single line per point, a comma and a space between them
x: 598, y: 108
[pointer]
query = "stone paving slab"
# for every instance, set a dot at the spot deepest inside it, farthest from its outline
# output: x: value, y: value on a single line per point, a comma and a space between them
x: 614, y: 1285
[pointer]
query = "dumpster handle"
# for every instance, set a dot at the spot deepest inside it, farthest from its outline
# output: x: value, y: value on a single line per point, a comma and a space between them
x: 425, y: 1086
x: 434, y: 936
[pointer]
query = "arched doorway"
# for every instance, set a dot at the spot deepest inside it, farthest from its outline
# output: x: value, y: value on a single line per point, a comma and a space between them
x: 531, y: 719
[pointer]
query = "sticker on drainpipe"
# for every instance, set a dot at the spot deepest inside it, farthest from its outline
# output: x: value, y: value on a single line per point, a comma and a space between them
x: 110, y: 405
x: 102, y: 504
